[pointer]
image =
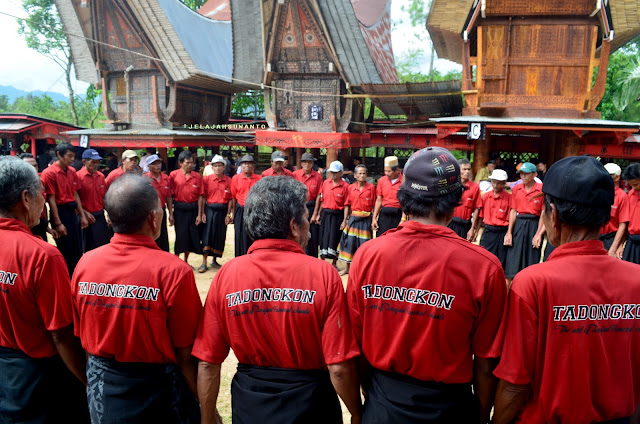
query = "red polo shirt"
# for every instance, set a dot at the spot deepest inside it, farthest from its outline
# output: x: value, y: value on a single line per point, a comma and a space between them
x: 186, y: 189
x: 573, y: 335
x: 495, y: 209
x: 527, y: 203
x: 361, y: 200
x: 217, y: 190
x: 274, y: 315
x: 271, y: 173
x: 418, y: 310
x: 313, y: 181
x: 240, y: 186
x: 35, y: 295
x: 389, y: 191
x: 133, y: 302
x: 619, y: 212
x: 92, y: 190
x: 114, y: 175
x: 163, y: 187
x: 634, y: 212
x: 61, y: 183
x: 333, y: 195
x: 470, y: 201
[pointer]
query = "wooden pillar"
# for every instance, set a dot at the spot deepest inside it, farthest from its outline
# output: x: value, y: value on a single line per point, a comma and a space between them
x: 481, y: 153
x: 332, y: 155
x: 162, y: 152
x: 299, y: 153
x: 571, y: 144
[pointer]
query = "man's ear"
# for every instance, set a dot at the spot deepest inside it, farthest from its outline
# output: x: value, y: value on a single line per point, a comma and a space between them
x: 151, y: 220
x: 26, y: 200
x: 294, y: 229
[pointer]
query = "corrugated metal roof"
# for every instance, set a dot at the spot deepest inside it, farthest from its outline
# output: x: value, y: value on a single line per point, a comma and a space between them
x: 557, y: 122
x: 16, y: 125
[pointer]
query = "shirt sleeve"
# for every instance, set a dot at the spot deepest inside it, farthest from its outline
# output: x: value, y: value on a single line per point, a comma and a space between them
x: 53, y: 294
x: 234, y: 189
x: 512, y: 199
x: 379, y: 188
x: 353, y: 302
x: 184, y: 310
x: 201, y: 184
x: 624, y: 213
x: 478, y: 203
x: 210, y: 344
x: 49, y: 183
x: 488, y: 329
x: 338, y: 344
x: 347, y: 195
x: 483, y: 200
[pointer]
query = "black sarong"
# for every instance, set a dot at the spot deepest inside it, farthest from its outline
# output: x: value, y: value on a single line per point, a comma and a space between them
x: 39, y: 390
x: 355, y: 234
x: 330, y: 220
x: 388, y: 219
x: 522, y: 253
x: 314, y: 230
x: 128, y: 392
x: 607, y: 239
x: 242, y: 240
x: 632, y: 249
x: 97, y: 234
x: 70, y: 245
x: 188, y: 237
x: 548, y: 250
x: 460, y: 226
x: 493, y: 240
x: 163, y: 240
x: 215, y: 231
x: 281, y: 395
x: 40, y: 230
x: 396, y: 398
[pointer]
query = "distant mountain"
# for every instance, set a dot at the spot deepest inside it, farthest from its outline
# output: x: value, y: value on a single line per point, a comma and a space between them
x: 13, y: 93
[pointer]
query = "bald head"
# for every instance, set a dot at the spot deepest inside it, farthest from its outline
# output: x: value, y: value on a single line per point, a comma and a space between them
x: 129, y: 201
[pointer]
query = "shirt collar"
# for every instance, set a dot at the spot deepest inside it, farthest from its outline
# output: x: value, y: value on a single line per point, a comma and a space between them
x: 578, y: 248
x: 134, y: 239
x: 278, y: 244
x: 424, y: 228
x: 12, y: 224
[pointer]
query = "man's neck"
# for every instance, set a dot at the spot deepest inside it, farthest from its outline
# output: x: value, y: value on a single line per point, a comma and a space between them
x: 336, y: 182
x: 219, y: 176
x: 361, y: 184
x: 497, y: 193
x: 428, y: 220
x: 89, y: 171
x: 530, y: 185
x: 247, y: 175
x: 61, y: 165
x: 186, y: 173
x: 155, y: 175
x: 464, y: 180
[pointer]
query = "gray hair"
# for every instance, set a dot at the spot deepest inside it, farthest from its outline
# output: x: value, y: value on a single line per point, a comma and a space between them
x: 464, y: 161
x: 271, y: 205
x: 355, y: 170
x: 130, y: 199
x: 16, y: 176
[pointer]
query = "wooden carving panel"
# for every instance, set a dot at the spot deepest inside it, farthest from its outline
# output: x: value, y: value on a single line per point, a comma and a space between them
x: 539, y: 7
x: 297, y: 98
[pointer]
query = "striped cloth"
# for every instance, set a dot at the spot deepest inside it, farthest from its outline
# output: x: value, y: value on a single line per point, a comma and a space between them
x: 354, y: 235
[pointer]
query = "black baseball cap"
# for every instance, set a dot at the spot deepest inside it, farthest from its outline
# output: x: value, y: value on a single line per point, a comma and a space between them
x: 432, y: 172
x: 579, y: 179
x: 247, y: 158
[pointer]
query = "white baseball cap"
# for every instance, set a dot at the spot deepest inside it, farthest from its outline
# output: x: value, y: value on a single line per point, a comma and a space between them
x: 613, y: 169
x: 335, y: 166
x: 218, y: 159
x: 499, y: 175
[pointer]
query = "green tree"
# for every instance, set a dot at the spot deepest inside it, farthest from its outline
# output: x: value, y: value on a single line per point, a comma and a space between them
x: 44, y: 33
x: 249, y: 104
x: 5, y: 106
x: 90, y: 107
x: 194, y: 4
x: 620, y: 100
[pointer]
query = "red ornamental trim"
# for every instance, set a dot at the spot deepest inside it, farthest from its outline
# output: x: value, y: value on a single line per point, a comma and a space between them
x: 285, y: 139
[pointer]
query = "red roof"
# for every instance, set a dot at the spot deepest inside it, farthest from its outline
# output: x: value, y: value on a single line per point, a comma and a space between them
x: 218, y: 10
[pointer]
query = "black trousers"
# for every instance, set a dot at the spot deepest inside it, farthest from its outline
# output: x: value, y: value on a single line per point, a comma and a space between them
x: 460, y: 226
x: 97, y: 234
x: 40, y: 230
x: 632, y: 249
x: 314, y: 233
x: 163, y: 240
x: 607, y: 239
x: 215, y: 230
x: 330, y: 232
x: 522, y: 254
x: 389, y: 218
x: 242, y: 240
x: 493, y: 240
x: 70, y: 246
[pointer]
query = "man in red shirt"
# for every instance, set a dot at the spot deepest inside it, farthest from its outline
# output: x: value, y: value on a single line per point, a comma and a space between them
x: 162, y: 183
x: 428, y: 323
x: 462, y: 223
x: 136, y: 311
x: 525, y: 231
x: 92, y: 190
x: 240, y: 186
x: 188, y: 197
x: 36, y: 333
x: 330, y: 212
x: 277, y: 166
x: 217, y: 190
x: 632, y: 250
x: 361, y: 197
x: 129, y: 165
x: 494, y: 210
x: 612, y: 234
x: 313, y: 180
x: 42, y: 228
x: 569, y: 350
x: 387, y: 209
x: 284, y: 315
x: 61, y: 185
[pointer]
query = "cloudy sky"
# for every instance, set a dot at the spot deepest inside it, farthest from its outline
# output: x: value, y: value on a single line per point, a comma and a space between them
x: 28, y: 70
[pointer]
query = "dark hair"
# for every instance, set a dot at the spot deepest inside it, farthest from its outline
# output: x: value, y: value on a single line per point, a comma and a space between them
x: 185, y: 154
x: 129, y: 201
x: 271, y: 205
x: 24, y: 156
x: 592, y: 217
x: 16, y: 176
x: 464, y: 161
x: 631, y: 172
x: 63, y: 148
x: 422, y: 206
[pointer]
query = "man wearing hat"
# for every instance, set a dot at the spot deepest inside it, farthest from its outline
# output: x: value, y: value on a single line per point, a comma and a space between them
x: 494, y: 210
x: 277, y: 166
x: 92, y: 190
x: 525, y: 231
x: 632, y: 250
x: 570, y: 343
x: 313, y: 180
x: 484, y: 173
x: 218, y: 210
x: 387, y: 212
x: 240, y: 186
x: 129, y: 165
x: 469, y: 206
x: 612, y: 233
x: 428, y: 323
x: 330, y: 212
x: 162, y: 183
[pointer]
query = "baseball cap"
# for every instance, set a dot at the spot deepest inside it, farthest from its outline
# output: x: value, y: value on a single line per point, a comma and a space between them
x: 91, y: 154
x: 307, y: 156
x: 335, y: 166
x: 611, y: 168
x: 527, y: 168
x: 152, y: 159
x: 499, y: 175
x: 277, y: 156
x: 432, y: 172
x: 218, y: 159
x: 247, y: 158
x: 129, y: 154
x: 579, y: 179
x: 391, y: 161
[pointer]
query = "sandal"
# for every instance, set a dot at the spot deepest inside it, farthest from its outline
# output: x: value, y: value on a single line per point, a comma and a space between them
x: 202, y: 268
